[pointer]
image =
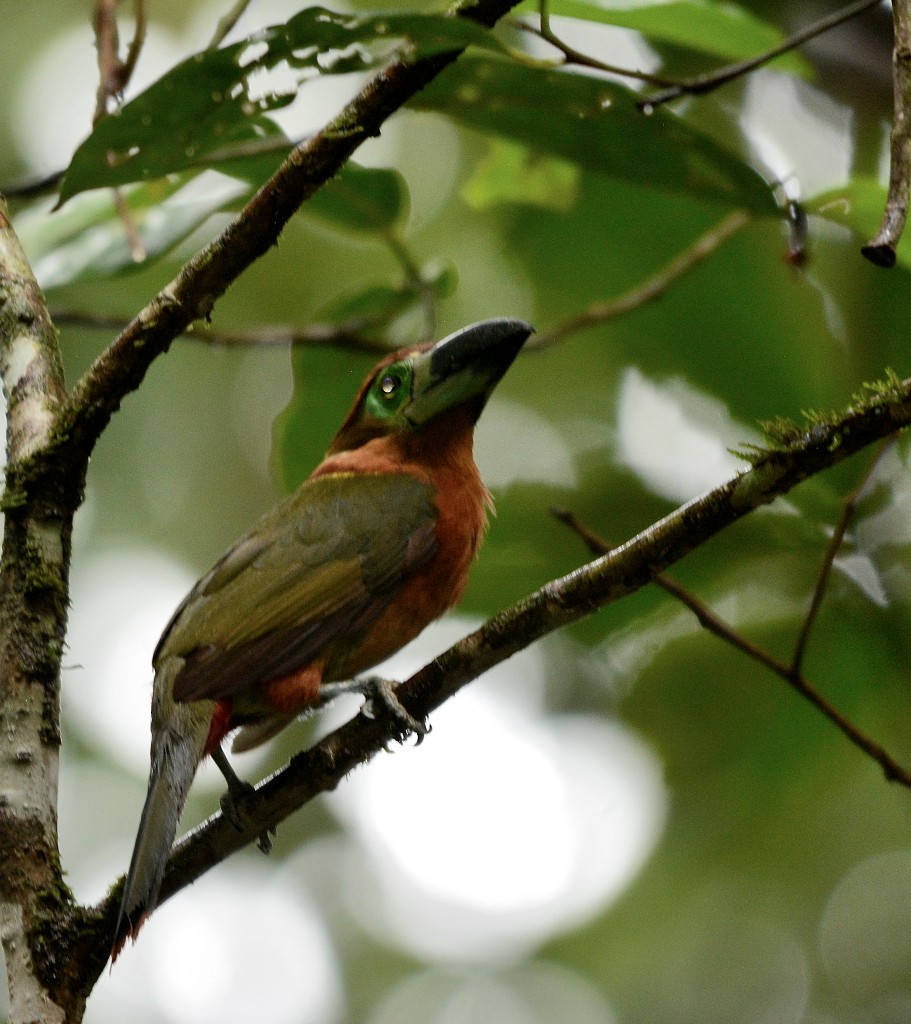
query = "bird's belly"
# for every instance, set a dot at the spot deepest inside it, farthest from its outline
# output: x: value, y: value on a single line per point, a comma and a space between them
x: 424, y: 598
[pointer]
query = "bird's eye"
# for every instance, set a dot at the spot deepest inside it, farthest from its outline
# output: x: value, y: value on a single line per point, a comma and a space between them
x: 389, y: 391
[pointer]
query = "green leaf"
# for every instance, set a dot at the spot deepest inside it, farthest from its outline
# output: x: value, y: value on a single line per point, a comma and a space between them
x: 859, y: 206
x: 89, y: 239
x: 380, y: 305
x: 595, y: 124
x: 721, y: 29
x: 215, y: 100
x: 513, y: 173
x: 361, y: 199
x: 375, y: 304
x: 358, y: 198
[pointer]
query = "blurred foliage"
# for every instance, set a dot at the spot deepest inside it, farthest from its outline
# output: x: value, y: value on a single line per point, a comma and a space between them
x: 725, y: 31
x: 511, y: 188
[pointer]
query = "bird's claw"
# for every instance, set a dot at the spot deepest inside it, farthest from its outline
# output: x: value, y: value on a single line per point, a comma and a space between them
x: 379, y: 697
x: 264, y: 841
x: 381, y: 692
x: 230, y: 804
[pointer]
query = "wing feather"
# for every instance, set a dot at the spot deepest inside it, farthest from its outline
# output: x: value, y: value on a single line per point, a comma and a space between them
x: 322, y: 565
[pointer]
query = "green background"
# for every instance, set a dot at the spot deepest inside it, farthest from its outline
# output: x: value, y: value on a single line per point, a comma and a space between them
x: 780, y: 886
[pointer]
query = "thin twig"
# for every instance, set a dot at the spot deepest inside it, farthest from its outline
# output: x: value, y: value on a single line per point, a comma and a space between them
x: 131, y: 231
x: 107, y: 43
x: 228, y: 22
x: 651, y: 289
x: 350, y: 335
x: 114, y: 74
x: 791, y: 674
x: 113, y: 77
x: 574, y: 56
x: 699, y: 85
x: 415, y: 280
x: 44, y: 185
x: 136, y: 43
x: 849, y: 507
x: 882, y: 249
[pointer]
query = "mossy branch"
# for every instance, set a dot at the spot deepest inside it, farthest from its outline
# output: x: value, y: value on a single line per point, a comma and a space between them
x: 562, y: 601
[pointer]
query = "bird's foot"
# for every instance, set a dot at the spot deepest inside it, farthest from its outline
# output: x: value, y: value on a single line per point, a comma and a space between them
x: 232, y: 802
x: 379, y: 696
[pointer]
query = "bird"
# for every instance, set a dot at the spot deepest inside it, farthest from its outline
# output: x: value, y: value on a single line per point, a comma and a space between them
x: 371, y: 548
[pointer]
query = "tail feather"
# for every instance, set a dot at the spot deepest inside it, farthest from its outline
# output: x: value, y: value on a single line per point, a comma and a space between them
x: 177, y: 748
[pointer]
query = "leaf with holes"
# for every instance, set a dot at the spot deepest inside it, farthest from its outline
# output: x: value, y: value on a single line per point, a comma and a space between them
x: 89, y: 239
x: 213, y: 104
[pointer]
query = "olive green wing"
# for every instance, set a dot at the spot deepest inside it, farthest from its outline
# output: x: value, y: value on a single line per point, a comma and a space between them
x: 321, y: 566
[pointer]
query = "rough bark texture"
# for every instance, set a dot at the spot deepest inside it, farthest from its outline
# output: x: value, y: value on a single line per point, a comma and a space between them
x: 33, y: 606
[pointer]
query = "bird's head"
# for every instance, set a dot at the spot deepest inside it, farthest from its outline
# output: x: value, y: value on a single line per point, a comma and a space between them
x: 412, y: 387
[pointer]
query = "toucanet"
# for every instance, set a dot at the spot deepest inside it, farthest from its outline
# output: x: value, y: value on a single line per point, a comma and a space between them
x: 371, y: 548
